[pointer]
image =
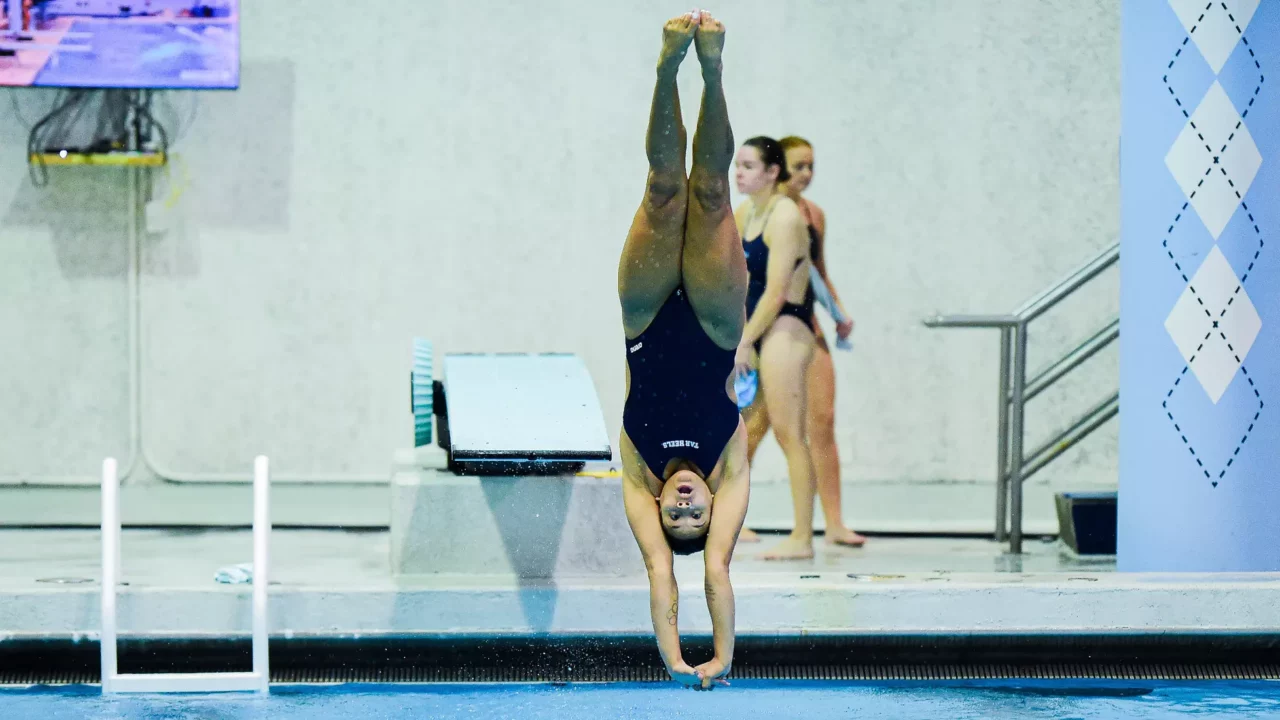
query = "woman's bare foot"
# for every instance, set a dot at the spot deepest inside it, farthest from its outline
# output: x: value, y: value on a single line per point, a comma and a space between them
x: 793, y: 548
x: 748, y: 536
x: 709, y: 42
x: 843, y: 536
x: 676, y: 36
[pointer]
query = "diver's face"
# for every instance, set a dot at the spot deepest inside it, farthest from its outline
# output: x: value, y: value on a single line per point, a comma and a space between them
x: 685, y: 505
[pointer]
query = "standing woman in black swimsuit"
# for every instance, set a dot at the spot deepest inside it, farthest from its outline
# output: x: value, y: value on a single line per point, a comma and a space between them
x: 821, y: 381
x: 776, y: 244
x: 682, y: 285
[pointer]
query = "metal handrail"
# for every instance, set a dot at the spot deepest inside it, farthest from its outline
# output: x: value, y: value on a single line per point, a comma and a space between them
x: 1038, y: 305
x: 1089, y: 421
x: 1012, y: 466
x: 1085, y: 350
x: 972, y: 321
x: 1042, y: 303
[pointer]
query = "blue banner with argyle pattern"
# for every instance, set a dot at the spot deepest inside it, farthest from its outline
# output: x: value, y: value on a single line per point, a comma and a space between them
x: 1200, y: 286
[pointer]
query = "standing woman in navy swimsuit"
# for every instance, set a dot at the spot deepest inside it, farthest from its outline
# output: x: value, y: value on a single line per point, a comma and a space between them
x: 821, y: 381
x: 777, y: 247
x: 682, y: 285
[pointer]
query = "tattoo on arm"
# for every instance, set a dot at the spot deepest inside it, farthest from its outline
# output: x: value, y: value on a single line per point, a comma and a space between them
x: 673, y: 612
x: 711, y: 591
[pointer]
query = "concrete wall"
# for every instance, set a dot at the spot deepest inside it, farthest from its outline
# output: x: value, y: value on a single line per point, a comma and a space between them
x: 466, y: 172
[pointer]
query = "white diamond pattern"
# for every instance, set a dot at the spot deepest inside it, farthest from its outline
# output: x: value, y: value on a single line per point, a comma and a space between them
x: 1214, y: 160
x: 1215, y: 27
x: 1214, y: 324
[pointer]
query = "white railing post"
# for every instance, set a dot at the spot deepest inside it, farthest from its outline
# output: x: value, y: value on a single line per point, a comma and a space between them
x: 259, y: 679
x: 261, y: 567
x: 110, y: 569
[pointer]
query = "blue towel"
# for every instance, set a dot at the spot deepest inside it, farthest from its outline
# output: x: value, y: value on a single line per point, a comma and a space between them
x: 745, y: 386
x: 235, y: 574
x: 822, y: 294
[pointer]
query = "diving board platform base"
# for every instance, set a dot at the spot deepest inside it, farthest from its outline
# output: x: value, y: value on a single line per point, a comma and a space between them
x: 524, y: 527
x: 518, y: 414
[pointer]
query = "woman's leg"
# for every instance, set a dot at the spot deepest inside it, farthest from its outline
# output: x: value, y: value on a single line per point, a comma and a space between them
x: 649, y: 269
x: 821, y: 405
x: 714, y: 268
x: 784, y: 363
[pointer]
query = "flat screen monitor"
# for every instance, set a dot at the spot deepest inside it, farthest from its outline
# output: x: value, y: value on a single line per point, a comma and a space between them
x: 139, y: 44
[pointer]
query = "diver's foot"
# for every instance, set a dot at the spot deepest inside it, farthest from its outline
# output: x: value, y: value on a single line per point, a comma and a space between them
x: 793, y: 548
x: 677, y: 34
x: 709, y: 42
x: 844, y: 536
x: 748, y: 536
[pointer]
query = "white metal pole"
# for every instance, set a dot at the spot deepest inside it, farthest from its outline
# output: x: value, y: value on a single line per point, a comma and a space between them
x: 110, y: 569
x: 261, y: 568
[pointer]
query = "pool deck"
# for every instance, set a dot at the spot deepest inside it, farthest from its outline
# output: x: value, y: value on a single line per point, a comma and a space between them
x: 331, y: 583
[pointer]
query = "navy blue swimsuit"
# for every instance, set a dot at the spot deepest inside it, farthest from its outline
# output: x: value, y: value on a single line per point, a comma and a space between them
x: 757, y: 253
x: 678, y: 405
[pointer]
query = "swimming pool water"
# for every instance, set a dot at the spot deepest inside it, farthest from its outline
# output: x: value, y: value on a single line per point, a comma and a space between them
x: 745, y: 699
